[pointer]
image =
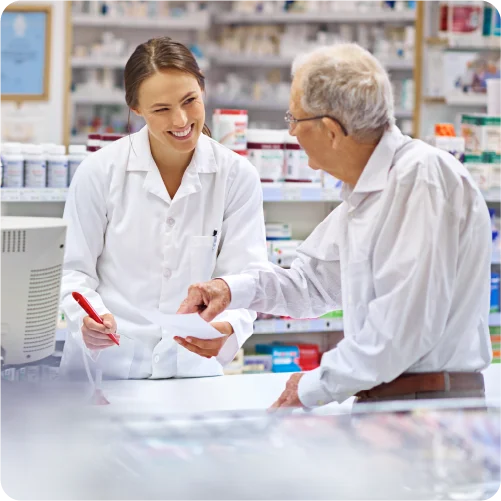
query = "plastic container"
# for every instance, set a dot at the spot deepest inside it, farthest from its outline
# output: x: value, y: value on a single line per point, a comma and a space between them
x: 479, y: 170
x: 109, y: 138
x: 230, y: 128
x: 13, y: 165
x: 296, y: 163
x: 93, y: 142
x: 265, y: 149
x: 77, y: 154
x: 35, y: 166
x: 57, y: 167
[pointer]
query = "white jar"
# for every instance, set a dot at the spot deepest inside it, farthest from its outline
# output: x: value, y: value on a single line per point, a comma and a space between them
x: 57, y: 167
x: 296, y: 163
x: 77, y: 154
x: 35, y: 166
x: 13, y: 165
x: 265, y: 149
x: 1, y: 165
x: 230, y: 128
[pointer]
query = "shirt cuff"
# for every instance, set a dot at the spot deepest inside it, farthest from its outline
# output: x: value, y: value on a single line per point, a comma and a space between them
x: 228, y: 351
x: 311, y: 391
x: 242, y: 289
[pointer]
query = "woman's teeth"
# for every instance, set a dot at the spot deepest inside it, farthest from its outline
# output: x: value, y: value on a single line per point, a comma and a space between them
x: 182, y: 134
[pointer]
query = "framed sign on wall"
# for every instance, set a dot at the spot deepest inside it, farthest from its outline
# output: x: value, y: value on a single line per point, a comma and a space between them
x: 25, y: 52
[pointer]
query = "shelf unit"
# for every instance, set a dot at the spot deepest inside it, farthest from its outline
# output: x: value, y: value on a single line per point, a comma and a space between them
x: 382, y: 16
x: 195, y: 21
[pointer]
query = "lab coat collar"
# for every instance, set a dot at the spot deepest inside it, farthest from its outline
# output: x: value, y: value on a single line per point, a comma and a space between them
x: 140, y: 159
x: 375, y: 174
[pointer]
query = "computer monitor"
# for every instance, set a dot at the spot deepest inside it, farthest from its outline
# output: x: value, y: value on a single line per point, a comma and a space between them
x: 32, y: 266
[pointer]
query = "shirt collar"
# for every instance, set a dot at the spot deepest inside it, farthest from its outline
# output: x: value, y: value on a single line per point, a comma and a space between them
x: 140, y: 158
x: 375, y: 174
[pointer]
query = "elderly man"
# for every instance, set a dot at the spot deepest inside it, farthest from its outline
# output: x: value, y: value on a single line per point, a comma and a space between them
x: 406, y: 255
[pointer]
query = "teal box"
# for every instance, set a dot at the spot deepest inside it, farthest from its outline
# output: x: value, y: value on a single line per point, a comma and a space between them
x: 284, y: 358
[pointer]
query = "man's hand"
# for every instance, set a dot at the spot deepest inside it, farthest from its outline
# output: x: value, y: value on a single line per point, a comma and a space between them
x: 289, y: 397
x: 207, y: 347
x: 207, y: 298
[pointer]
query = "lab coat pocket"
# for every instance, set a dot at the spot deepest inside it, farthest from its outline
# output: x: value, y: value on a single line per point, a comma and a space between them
x: 202, y: 258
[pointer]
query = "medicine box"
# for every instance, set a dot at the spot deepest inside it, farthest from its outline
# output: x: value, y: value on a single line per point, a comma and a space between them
x: 481, y: 133
x: 479, y: 171
x: 284, y: 358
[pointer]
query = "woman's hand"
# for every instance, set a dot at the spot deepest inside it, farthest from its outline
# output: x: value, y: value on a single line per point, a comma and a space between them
x: 207, y: 347
x: 95, y: 335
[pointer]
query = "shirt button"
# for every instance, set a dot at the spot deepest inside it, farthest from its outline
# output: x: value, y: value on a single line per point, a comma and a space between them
x: 171, y: 222
x: 156, y: 359
x: 167, y: 273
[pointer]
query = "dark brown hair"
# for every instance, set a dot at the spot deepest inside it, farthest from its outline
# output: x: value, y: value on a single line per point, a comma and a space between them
x: 153, y: 56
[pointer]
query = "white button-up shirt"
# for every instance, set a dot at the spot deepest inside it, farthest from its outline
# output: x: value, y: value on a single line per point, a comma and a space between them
x: 129, y: 247
x: 407, y: 257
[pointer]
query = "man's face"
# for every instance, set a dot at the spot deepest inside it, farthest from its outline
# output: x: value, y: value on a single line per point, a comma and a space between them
x: 312, y: 135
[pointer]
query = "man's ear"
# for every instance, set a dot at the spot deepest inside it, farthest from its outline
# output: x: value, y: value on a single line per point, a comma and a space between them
x: 334, y: 131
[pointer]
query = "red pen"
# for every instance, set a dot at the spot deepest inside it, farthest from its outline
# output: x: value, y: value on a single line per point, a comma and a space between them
x: 92, y: 313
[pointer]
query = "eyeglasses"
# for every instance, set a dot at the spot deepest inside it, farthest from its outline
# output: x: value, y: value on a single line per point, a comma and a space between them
x: 289, y: 118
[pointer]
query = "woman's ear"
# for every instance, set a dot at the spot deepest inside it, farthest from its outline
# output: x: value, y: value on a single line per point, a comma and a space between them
x: 136, y: 112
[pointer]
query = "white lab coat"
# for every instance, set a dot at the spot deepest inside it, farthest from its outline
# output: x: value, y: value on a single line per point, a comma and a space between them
x: 129, y: 246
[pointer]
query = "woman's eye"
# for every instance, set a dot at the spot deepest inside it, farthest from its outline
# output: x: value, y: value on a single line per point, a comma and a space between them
x: 190, y: 100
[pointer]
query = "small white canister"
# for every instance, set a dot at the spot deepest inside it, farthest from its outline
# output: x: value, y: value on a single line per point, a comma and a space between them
x: 265, y: 149
x: 229, y: 127
x: 296, y: 163
x: 13, y: 165
x: 35, y: 166
x: 57, y: 167
x: 77, y: 154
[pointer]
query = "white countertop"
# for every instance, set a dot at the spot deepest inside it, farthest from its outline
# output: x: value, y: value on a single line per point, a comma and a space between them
x: 225, y: 393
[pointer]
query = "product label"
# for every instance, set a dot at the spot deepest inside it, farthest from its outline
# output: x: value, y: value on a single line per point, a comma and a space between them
x: 269, y: 163
x: 35, y: 174
x: 13, y: 173
x: 57, y: 174
x: 72, y: 167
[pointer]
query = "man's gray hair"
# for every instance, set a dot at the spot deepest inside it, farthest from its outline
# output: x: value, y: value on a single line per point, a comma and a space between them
x: 349, y: 83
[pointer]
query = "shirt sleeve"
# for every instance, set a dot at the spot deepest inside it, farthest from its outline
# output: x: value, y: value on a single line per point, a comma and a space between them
x: 413, y: 269
x: 85, y: 213
x: 242, y: 245
x: 310, y: 288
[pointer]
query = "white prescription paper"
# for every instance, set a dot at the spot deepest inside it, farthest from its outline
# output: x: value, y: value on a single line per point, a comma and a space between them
x: 190, y: 324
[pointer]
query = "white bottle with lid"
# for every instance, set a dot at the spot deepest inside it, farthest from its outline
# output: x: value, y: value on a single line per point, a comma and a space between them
x: 57, y: 167
x: 296, y: 163
x: 77, y: 154
x: 13, y: 165
x: 265, y: 150
x: 35, y: 166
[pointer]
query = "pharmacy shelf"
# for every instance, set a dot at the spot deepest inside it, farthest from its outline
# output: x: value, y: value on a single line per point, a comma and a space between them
x: 114, y: 62
x: 463, y: 99
x: 98, y: 62
x: 460, y: 43
x: 299, y: 192
x: 195, y: 21
x: 284, y: 326
x: 103, y: 99
x: 272, y: 192
x: 33, y: 194
x: 249, y: 60
x: 248, y: 104
x: 372, y: 16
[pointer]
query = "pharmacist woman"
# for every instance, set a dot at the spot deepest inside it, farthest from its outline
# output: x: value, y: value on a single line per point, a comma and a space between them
x: 149, y: 215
